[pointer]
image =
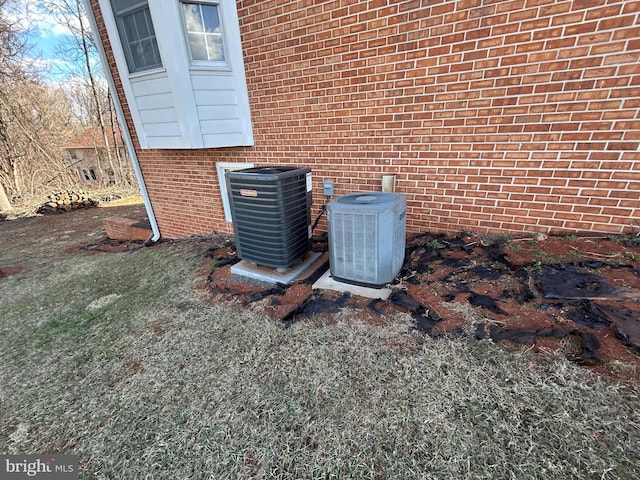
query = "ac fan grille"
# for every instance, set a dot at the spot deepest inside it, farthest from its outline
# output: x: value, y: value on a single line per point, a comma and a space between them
x: 271, y: 214
x: 367, y: 239
x: 355, y: 243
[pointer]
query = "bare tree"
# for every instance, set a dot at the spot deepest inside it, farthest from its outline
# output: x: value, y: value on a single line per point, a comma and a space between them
x: 11, y: 47
x: 38, y: 125
x: 35, y: 121
x: 81, y: 47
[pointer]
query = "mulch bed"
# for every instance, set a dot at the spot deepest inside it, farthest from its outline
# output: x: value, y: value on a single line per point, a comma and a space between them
x: 579, y: 297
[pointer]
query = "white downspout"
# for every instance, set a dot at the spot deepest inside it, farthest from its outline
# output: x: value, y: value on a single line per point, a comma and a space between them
x: 155, y: 236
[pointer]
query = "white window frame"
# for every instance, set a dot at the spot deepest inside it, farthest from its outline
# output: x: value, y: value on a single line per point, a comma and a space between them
x: 225, y: 48
x: 221, y: 169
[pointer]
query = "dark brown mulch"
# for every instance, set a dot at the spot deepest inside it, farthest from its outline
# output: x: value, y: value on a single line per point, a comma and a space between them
x: 557, y: 295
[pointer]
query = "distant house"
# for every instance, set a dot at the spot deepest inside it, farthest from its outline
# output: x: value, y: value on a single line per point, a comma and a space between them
x: 491, y: 116
x: 88, y: 155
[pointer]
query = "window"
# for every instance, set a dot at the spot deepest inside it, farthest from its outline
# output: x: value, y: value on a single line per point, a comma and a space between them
x: 137, y: 34
x: 198, y: 97
x: 204, y: 31
x: 112, y: 176
x: 93, y: 174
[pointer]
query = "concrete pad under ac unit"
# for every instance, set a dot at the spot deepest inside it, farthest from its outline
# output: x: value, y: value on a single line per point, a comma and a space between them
x: 269, y: 276
x: 327, y: 282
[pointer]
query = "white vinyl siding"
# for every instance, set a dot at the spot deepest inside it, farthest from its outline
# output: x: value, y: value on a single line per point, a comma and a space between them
x: 161, y: 115
x: 187, y: 103
x: 156, y: 108
x: 218, y: 110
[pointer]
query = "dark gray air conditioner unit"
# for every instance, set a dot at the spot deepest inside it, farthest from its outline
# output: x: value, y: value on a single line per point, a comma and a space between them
x: 271, y: 213
x: 367, y: 237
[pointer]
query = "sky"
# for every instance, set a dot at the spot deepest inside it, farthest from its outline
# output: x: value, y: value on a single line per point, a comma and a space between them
x: 47, y: 33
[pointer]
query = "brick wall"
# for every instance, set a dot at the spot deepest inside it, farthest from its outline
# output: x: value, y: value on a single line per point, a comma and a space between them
x: 120, y: 228
x: 494, y: 115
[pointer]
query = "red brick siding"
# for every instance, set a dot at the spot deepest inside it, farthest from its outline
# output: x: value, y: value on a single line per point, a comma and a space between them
x: 120, y: 228
x: 495, y: 116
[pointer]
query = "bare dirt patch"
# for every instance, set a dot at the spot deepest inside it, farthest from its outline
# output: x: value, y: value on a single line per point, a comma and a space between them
x: 107, y: 245
x: 7, y: 271
x: 29, y: 241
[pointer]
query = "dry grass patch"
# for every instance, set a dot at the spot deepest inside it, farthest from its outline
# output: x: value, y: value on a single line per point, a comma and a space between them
x: 139, y: 376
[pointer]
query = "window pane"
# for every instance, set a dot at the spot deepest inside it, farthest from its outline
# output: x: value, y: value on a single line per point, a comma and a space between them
x: 142, y: 26
x: 129, y: 27
x: 147, y: 53
x: 192, y: 17
x: 211, y: 19
x: 138, y: 39
x: 144, y: 55
x: 198, y: 46
x: 203, y: 18
x: 215, y: 48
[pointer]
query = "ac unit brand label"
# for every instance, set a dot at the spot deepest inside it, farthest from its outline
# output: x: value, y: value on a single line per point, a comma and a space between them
x: 309, y: 183
x: 248, y: 193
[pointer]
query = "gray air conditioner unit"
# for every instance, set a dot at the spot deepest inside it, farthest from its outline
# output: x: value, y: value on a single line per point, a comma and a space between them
x: 271, y: 213
x: 367, y: 237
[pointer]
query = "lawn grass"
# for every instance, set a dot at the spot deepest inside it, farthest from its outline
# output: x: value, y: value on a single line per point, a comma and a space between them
x: 118, y: 359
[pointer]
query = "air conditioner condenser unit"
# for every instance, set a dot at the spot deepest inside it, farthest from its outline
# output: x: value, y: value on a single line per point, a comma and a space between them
x: 367, y: 234
x: 270, y: 207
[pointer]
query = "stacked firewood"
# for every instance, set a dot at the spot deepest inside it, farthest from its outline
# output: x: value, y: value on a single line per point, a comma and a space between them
x: 66, y: 201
